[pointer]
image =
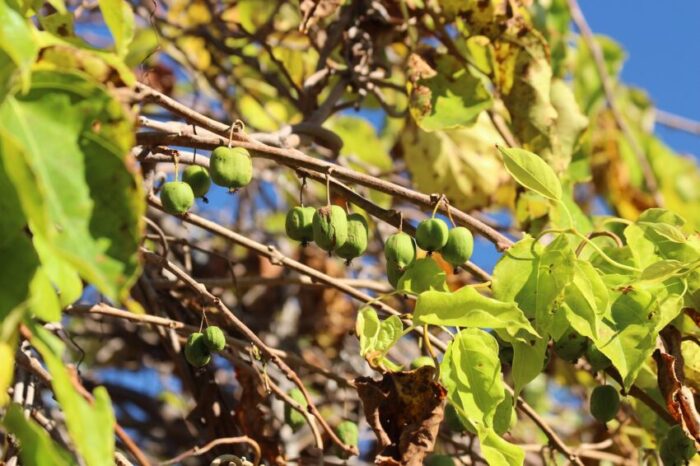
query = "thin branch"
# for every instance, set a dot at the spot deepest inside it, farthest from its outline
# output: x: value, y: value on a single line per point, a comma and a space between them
x: 677, y: 122
x: 599, y: 61
x: 251, y: 336
x: 197, y: 451
x: 183, y: 135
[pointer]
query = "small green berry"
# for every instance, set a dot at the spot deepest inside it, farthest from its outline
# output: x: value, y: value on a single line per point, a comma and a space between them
x: 459, y: 247
x: 231, y: 167
x: 299, y: 224
x: 214, y: 338
x: 393, y: 274
x: 177, y: 197
x: 432, y: 234
x: 330, y: 227
x: 198, y: 179
x: 571, y: 346
x: 348, y: 433
x: 421, y: 361
x: 604, y: 403
x: 677, y: 449
x: 292, y: 417
x: 196, y: 351
x: 400, y: 249
x: 356, y: 242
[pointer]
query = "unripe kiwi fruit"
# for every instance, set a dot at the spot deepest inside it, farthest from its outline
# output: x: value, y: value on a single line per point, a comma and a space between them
x: 231, y: 167
x: 400, y: 249
x: 432, y: 234
x: 198, y: 179
x: 421, y: 361
x: 196, y: 351
x: 459, y: 246
x: 349, y: 433
x: 177, y: 197
x: 356, y: 242
x: 330, y: 227
x: 597, y: 360
x: 604, y: 403
x: 571, y: 346
x: 439, y: 460
x: 677, y: 448
x: 292, y: 417
x: 299, y: 224
x: 214, y: 338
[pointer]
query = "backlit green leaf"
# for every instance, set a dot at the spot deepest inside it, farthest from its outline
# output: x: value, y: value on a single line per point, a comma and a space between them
x: 423, y: 275
x: 532, y: 172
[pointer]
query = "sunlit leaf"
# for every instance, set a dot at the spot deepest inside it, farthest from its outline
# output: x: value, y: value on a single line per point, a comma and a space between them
x: 532, y: 172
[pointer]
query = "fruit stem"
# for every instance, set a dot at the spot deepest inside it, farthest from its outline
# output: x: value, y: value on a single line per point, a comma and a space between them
x: 301, y: 190
x: 176, y: 158
x: 328, y: 186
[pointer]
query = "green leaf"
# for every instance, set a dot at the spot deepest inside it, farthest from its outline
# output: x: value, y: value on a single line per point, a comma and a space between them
x: 532, y: 172
x: 586, y: 299
x: 64, y: 277
x: 498, y: 451
x: 453, y: 163
x: 43, y: 302
x: 466, y: 307
x: 377, y: 336
x: 660, y: 271
x: 568, y: 126
x: 87, y: 203
x: 515, y: 275
x: 528, y: 362
x: 17, y: 41
x: 120, y: 20
x: 367, y: 329
x: 36, y: 446
x: 471, y: 372
x: 555, y: 271
x: 446, y: 98
x: 390, y: 331
x: 423, y: 275
x: 90, y: 425
x: 361, y: 143
x: 505, y: 415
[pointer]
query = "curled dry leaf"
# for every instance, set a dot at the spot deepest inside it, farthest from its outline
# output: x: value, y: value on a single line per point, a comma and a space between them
x: 404, y: 409
x: 679, y: 398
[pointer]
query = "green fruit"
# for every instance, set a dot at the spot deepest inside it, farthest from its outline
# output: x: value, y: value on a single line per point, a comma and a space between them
x: 604, y: 403
x: 356, y: 242
x: 348, y: 433
x: 432, y: 234
x: 299, y: 224
x: 214, y: 338
x: 231, y: 167
x: 421, y: 361
x: 177, y: 197
x: 198, y: 179
x: 439, y: 460
x: 459, y: 247
x: 677, y: 448
x: 196, y: 351
x: 571, y: 346
x: 393, y: 274
x: 330, y: 227
x: 597, y: 360
x: 292, y: 417
x: 400, y: 249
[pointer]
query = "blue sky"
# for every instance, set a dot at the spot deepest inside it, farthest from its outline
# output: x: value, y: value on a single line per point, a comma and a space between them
x: 662, y: 56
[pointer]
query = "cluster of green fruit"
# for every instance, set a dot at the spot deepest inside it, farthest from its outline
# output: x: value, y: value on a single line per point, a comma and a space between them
x: 330, y: 228
x: 432, y: 235
x: 231, y: 167
x: 200, y: 346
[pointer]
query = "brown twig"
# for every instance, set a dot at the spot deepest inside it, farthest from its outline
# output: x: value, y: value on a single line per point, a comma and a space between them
x: 183, y: 135
x: 599, y: 61
x: 197, y: 451
x: 677, y: 122
x: 252, y: 337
